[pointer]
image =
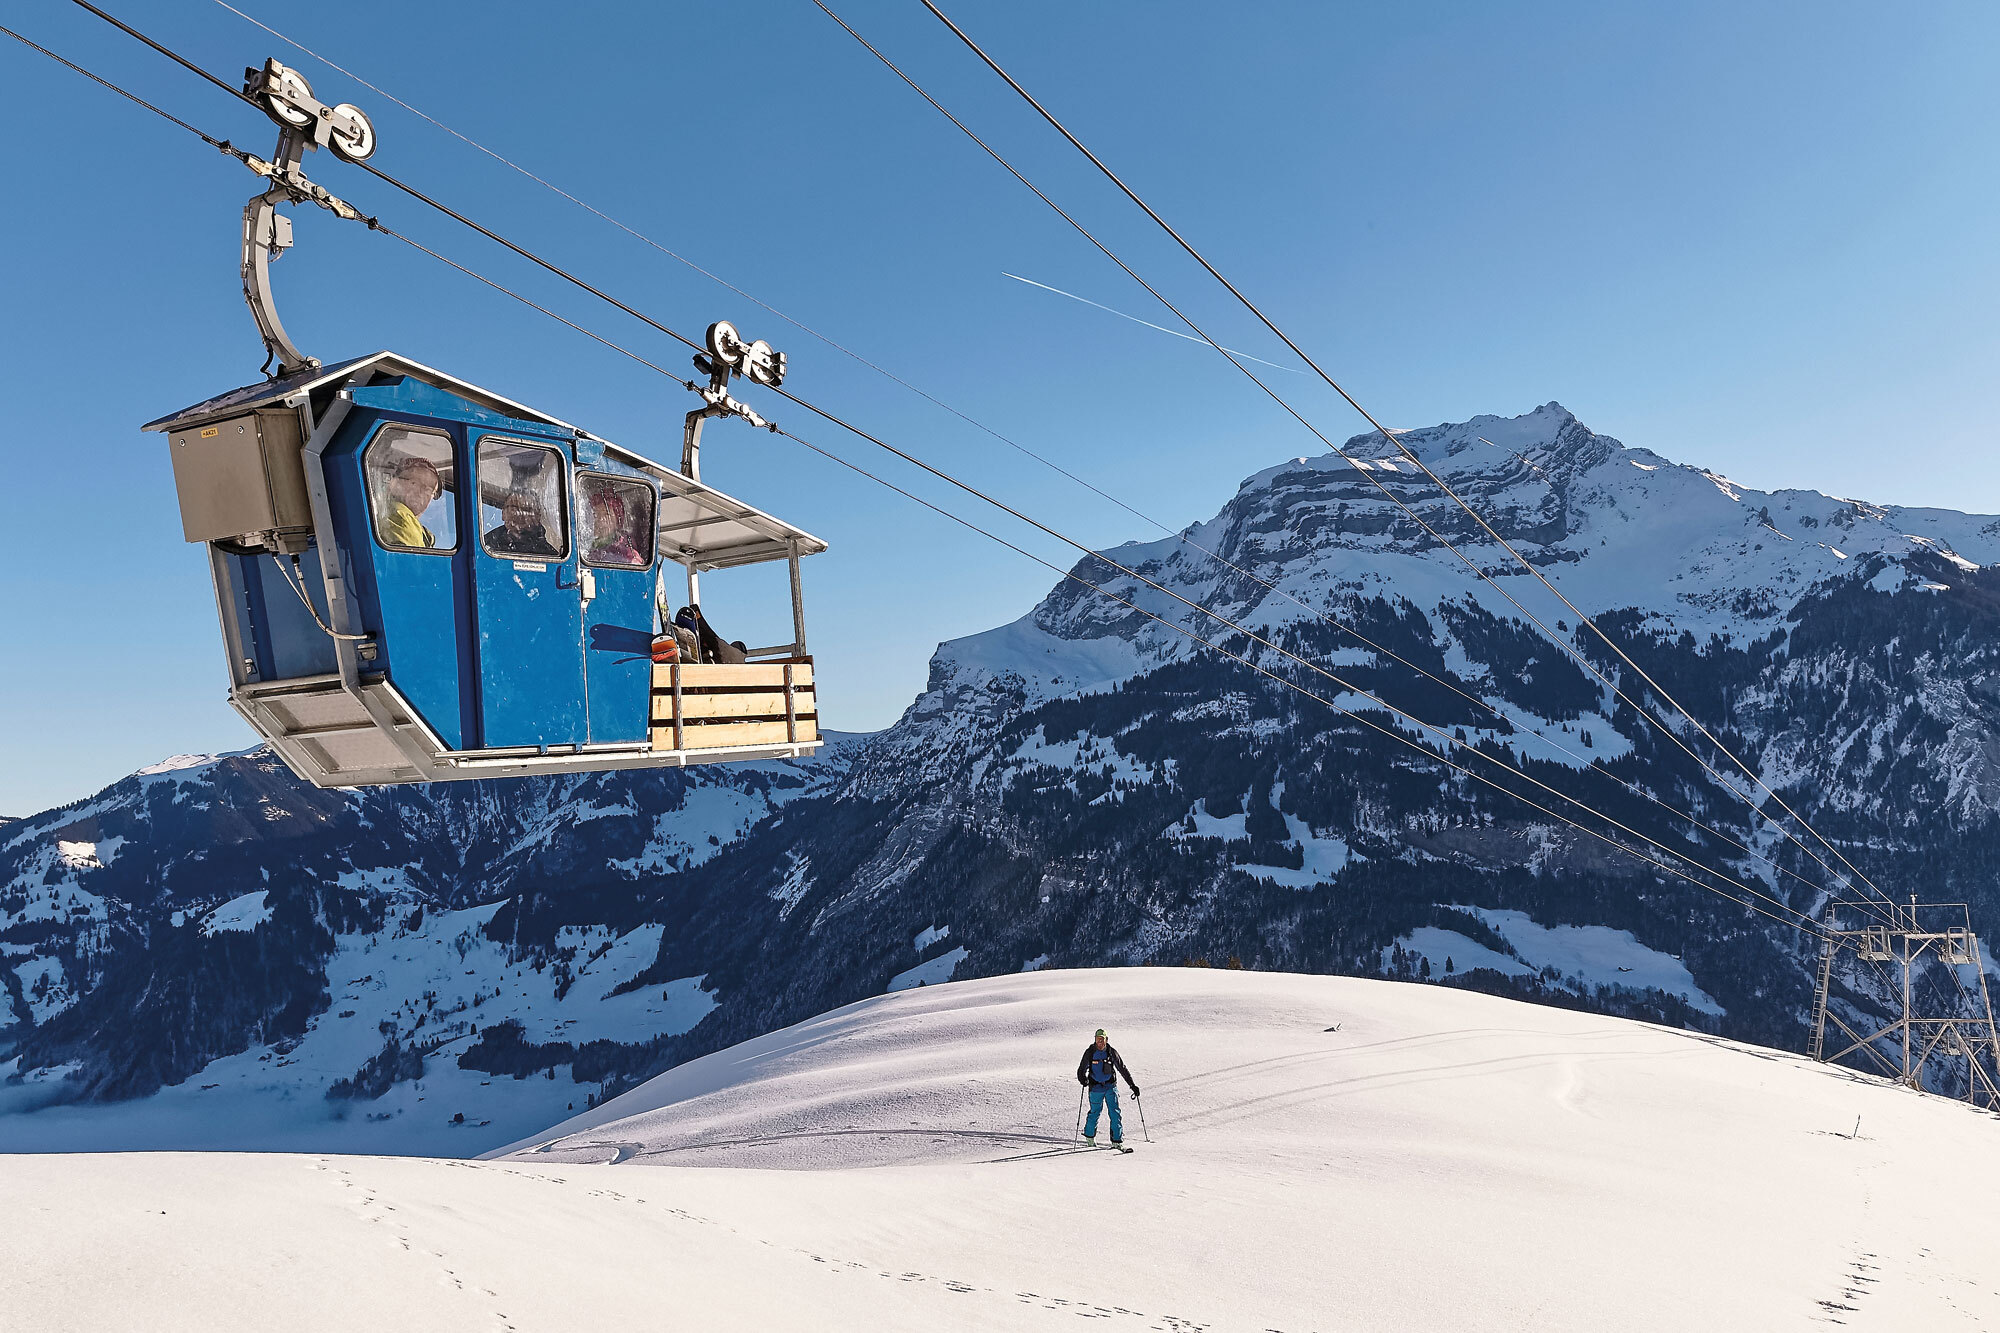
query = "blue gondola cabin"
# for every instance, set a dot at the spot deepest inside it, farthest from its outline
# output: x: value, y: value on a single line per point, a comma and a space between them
x: 419, y: 580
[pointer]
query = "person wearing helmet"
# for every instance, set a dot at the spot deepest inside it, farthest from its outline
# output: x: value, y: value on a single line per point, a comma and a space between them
x: 412, y: 486
x: 610, y: 542
x: 1098, y: 1071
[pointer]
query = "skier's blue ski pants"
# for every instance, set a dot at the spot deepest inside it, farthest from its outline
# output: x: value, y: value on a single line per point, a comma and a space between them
x: 1101, y: 1097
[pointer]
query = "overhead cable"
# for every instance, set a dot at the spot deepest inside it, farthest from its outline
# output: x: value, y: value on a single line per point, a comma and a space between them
x: 1366, y: 471
x: 168, y: 52
x: 1409, y: 453
x: 1805, y: 924
x: 213, y: 142
x: 680, y: 258
x: 1588, y: 764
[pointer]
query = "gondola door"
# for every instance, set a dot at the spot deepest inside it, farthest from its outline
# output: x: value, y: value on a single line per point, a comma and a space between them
x: 616, y: 531
x: 531, y: 688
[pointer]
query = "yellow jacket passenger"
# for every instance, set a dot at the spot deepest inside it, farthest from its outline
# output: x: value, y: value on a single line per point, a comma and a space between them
x: 401, y: 527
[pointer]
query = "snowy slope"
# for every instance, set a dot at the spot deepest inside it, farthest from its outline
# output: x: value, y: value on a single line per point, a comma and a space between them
x: 1327, y: 1153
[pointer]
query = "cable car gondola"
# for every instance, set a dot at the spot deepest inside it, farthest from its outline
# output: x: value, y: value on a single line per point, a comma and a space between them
x: 420, y: 580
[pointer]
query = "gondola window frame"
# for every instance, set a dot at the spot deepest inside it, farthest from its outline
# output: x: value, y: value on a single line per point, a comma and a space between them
x: 560, y: 510
x: 402, y: 431
x: 648, y: 529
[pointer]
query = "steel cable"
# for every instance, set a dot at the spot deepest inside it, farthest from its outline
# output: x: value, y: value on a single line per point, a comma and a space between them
x: 1588, y: 764
x: 1343, y: 453
x: 1408, y: 453
x: 1804, y: 924
x: 567, y: 276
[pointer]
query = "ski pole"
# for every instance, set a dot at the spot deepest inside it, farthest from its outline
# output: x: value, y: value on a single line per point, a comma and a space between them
x: 1140, y: 1102
x: 1079, y: 1113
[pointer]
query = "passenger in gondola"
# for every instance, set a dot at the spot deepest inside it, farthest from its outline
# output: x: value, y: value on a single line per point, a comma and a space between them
x: 712, y: 645
x: 610, y: 542
x: 521, y: 531
x: 412, y: 488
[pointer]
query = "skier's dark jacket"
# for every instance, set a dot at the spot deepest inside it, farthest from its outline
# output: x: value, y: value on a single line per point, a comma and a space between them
x: 1096, y: 1067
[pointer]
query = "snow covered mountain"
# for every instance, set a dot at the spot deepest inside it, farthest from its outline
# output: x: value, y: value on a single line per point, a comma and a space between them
x: 208, y: 953
x: 212, y: 954
x: 1662, y: 549
x: 1316, y: 1153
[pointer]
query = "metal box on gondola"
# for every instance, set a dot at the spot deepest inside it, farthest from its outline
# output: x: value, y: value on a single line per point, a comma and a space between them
x: 242, y: 477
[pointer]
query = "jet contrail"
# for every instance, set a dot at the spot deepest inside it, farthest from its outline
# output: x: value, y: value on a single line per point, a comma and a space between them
x: 1148, y: 323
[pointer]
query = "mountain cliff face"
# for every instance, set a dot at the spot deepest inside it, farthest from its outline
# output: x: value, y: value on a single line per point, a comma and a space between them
x: 210, y: 953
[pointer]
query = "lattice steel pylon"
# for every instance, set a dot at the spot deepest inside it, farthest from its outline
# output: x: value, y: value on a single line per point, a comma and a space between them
x: 1903, y: 943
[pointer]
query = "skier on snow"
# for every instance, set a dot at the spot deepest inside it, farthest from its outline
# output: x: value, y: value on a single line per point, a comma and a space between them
x: 1098, y: 1071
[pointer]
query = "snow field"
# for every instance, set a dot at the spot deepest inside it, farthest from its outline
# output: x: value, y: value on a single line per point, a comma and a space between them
x: 244, y: 913
x: 1323, y: 858
x: 935, y: 972
x: 1441, y: 1159
x: 1584, y: 956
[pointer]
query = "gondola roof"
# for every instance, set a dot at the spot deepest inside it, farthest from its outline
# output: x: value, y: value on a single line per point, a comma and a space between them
x: 270, y: 392
x: 698, y: 522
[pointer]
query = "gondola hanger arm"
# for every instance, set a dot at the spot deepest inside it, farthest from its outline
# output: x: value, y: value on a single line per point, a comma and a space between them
x: 304, y: 125
x: 728, y: 355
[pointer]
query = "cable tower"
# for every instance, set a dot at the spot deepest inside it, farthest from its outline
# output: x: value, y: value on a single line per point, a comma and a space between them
x: 1932, y: 1027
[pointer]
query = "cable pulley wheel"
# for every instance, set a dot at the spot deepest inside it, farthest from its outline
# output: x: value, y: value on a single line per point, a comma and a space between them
x: 358, y: 146
x: 285, y: 100
x: 725, y: 344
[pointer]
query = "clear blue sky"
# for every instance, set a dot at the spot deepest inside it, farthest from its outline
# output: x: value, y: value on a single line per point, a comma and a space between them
x: 1757, y: 237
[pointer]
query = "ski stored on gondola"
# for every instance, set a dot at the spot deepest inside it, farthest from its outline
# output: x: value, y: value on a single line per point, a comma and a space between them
x: 421, y: 580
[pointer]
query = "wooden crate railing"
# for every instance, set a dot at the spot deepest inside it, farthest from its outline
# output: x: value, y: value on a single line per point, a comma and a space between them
x: 716, y: 705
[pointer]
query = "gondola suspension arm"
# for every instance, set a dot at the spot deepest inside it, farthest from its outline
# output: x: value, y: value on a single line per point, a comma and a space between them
x: 728, y: 355
x: 304, y: 124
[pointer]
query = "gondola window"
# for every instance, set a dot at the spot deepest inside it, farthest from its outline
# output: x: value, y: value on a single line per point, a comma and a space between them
x: 411, y: 487
x: 523, y: 504
x: 616, y: 515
